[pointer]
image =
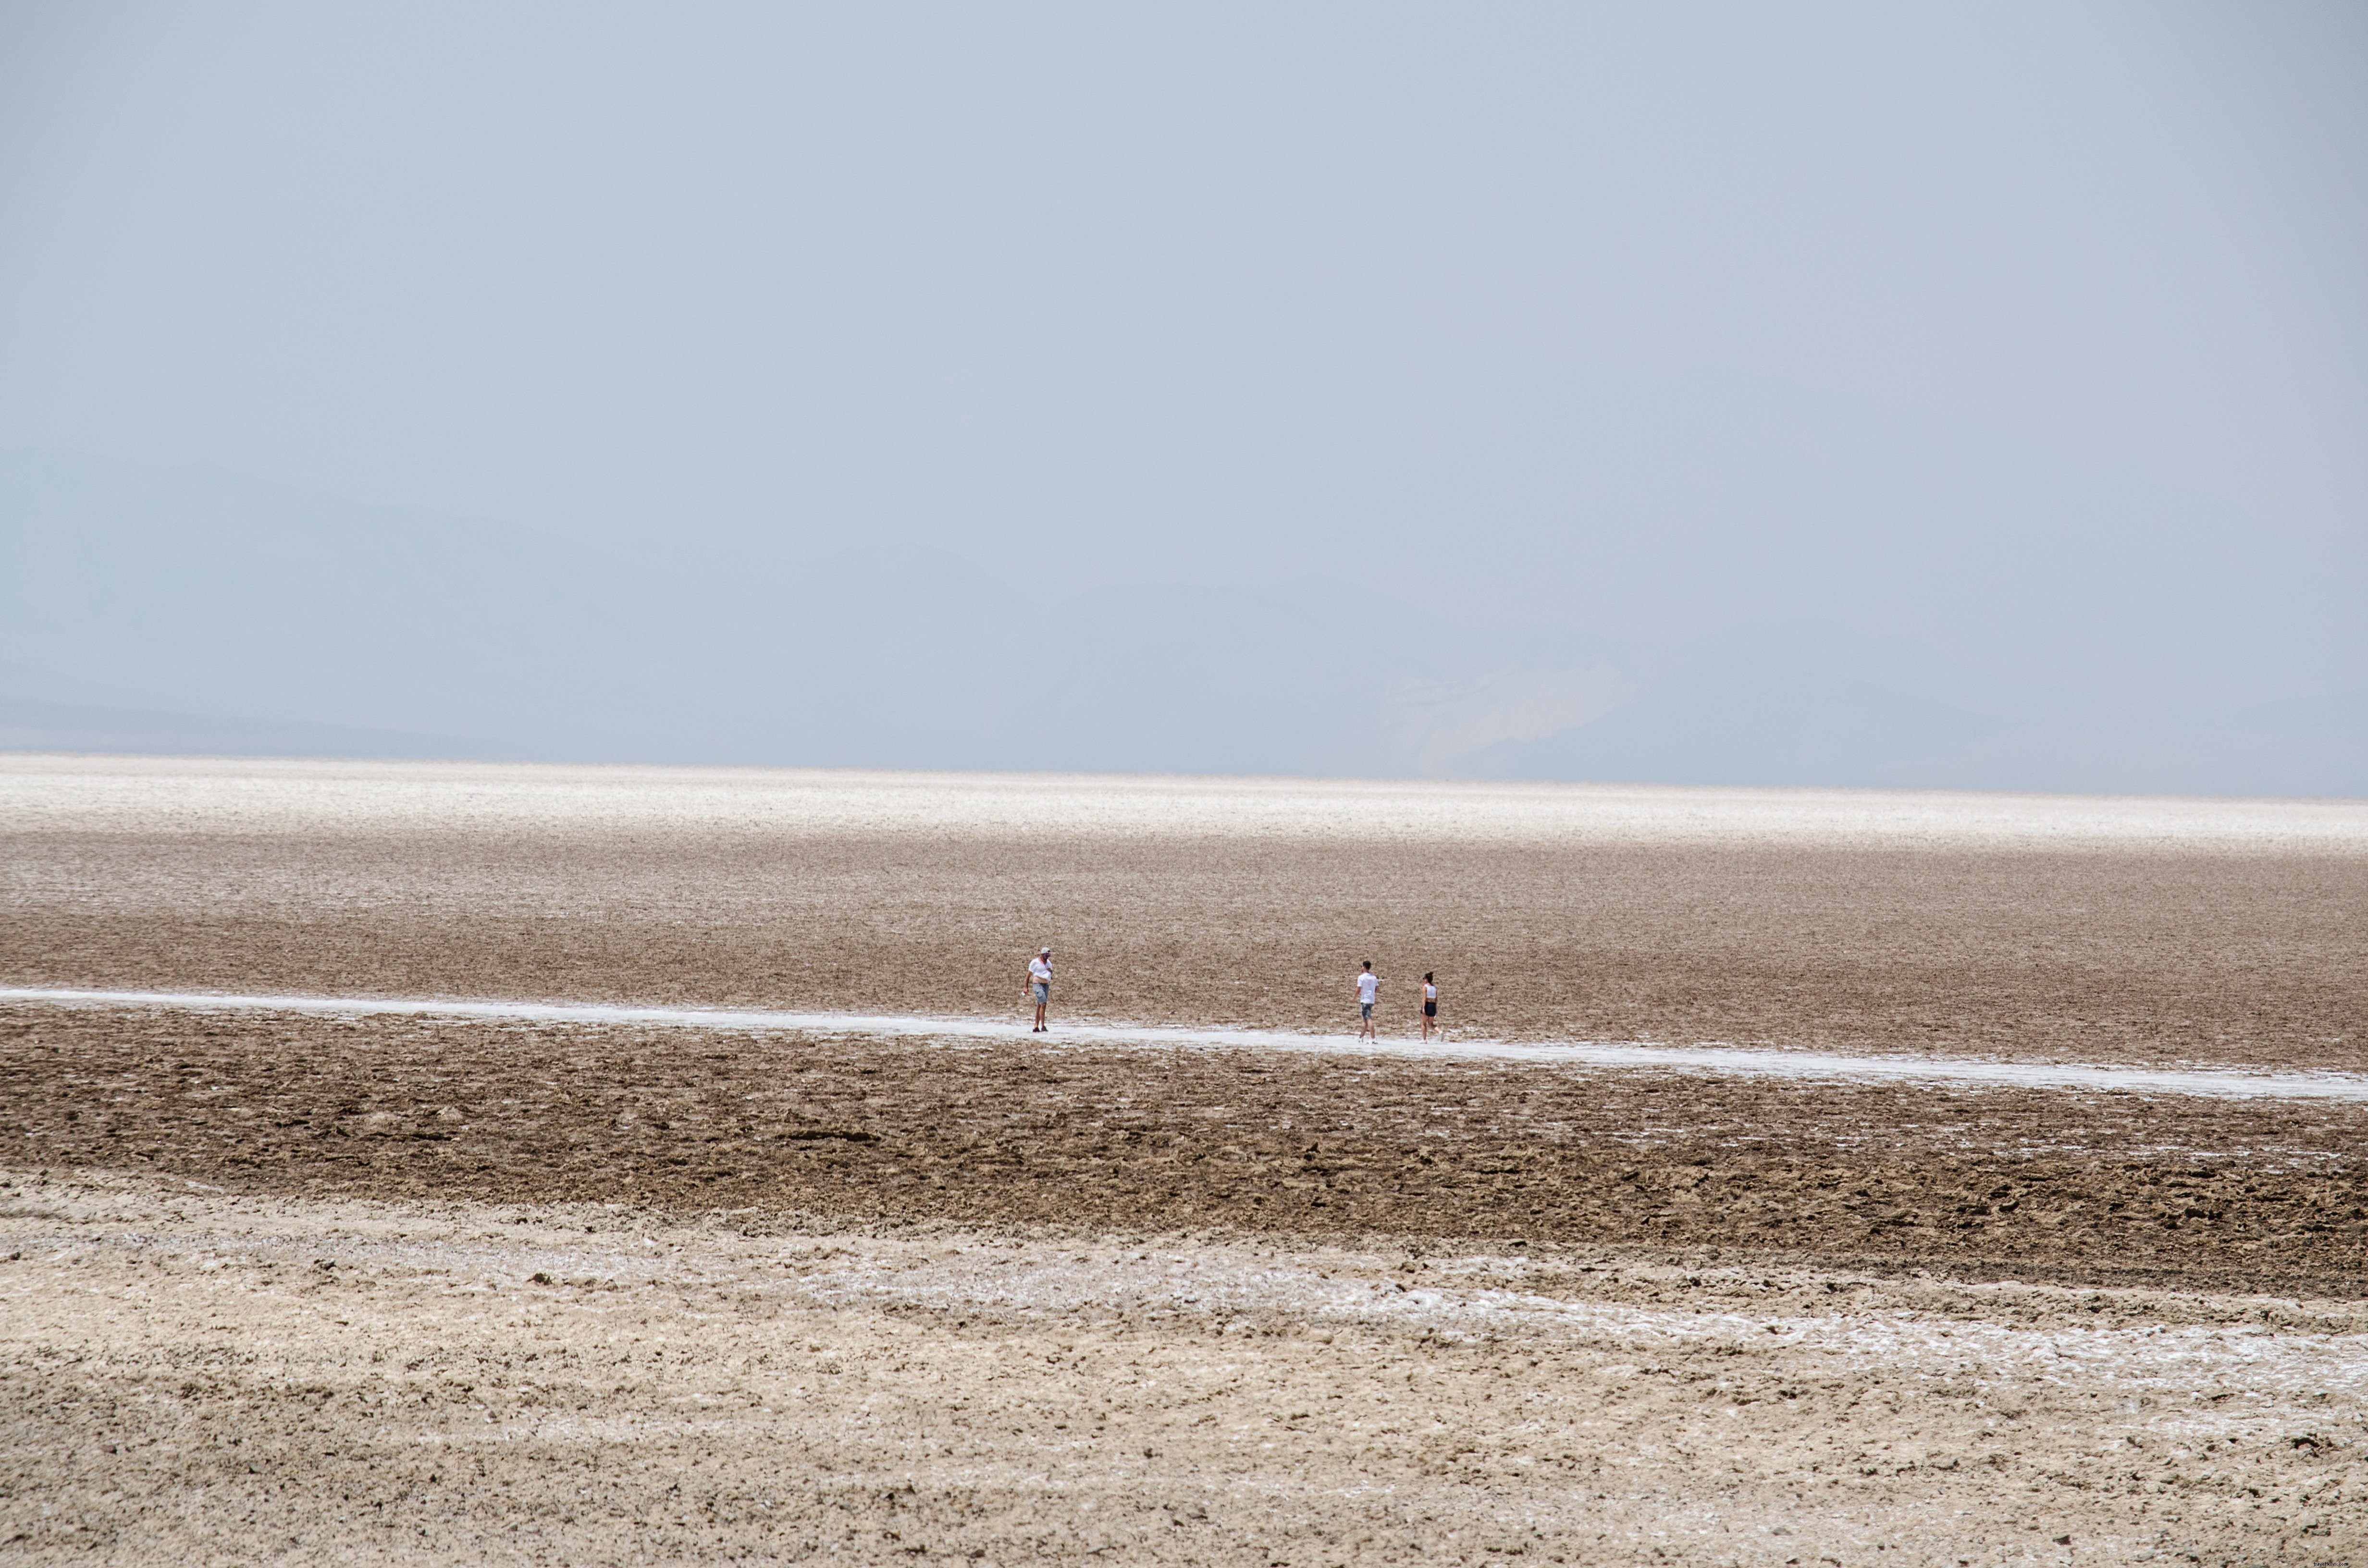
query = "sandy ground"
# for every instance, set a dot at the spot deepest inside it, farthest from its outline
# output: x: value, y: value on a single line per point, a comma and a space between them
x: 274, y: 1288
x: 197, y: 1378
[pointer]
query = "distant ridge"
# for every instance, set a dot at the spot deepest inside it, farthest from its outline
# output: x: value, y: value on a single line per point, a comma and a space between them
x: 193, y: 610
x: 34, y: 726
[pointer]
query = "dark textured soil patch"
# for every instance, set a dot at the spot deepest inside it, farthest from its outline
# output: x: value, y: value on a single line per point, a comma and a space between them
x: 1987, y: 1184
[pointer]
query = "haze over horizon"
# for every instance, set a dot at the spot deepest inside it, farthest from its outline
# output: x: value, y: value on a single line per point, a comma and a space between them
x: 1845, y: 397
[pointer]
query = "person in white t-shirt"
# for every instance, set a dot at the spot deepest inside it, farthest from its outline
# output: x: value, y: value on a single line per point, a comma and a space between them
x: 1040, y: 987
x: 1368, y: 987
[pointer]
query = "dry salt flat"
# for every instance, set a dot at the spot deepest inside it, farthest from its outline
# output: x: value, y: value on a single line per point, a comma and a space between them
x: 395, y: 1179
x: 248, y: 796
x: 2076, y: 929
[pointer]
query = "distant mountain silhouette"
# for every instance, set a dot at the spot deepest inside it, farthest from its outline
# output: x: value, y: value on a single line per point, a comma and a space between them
x: 28, y: 724
x: 1735, y: 719
x: 189, y: 609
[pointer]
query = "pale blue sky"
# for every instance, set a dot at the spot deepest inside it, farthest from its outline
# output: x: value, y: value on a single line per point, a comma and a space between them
x: 2036, y: 333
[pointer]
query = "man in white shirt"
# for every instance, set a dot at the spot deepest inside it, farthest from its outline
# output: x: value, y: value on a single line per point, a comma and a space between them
x: 1040, y: 987
x: 1369, y: 986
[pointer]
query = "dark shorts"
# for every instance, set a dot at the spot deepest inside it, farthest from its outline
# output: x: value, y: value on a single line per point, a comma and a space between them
x: 1364, y: 1009
x: 1431, y: 1009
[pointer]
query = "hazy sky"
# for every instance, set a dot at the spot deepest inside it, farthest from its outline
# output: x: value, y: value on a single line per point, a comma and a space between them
x: 2039, y: 333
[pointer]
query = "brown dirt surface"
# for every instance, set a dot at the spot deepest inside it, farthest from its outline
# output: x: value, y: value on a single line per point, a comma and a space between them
x: 1986, y: 1182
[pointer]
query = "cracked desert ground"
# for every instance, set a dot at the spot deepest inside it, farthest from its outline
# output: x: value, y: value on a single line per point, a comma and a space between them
x: 368, y: 1286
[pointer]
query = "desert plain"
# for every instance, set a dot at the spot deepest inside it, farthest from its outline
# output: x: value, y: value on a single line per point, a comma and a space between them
x: 364, y: 1284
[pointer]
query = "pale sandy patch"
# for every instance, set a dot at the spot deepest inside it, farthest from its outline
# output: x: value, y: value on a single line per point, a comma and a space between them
x: 196, y: 1376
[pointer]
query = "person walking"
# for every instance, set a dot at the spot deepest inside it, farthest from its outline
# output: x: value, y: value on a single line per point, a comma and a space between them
x: 1040, y: 987
x: 1429, y: 1002
x: 1369, y: 988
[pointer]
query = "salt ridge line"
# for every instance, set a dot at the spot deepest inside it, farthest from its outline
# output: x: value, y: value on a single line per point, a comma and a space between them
x: 1723, y: 1060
